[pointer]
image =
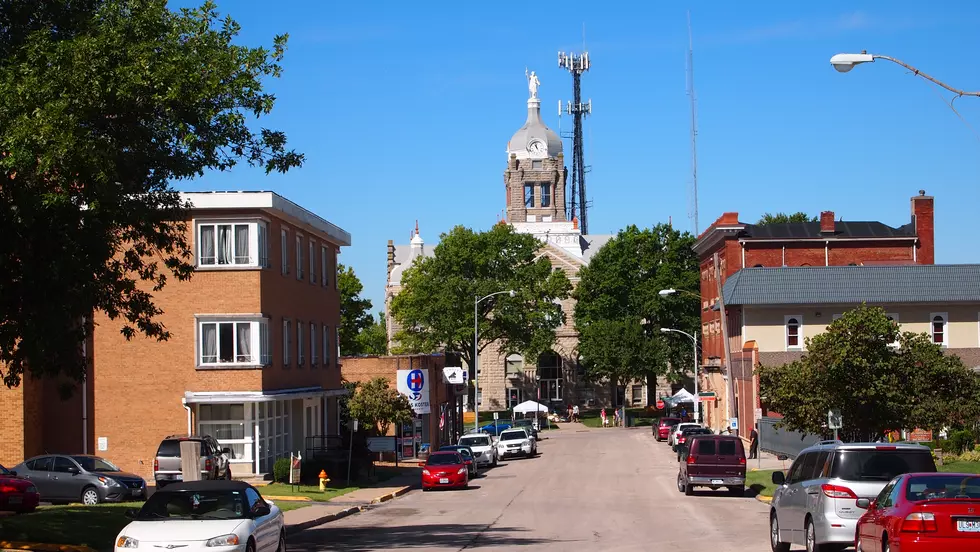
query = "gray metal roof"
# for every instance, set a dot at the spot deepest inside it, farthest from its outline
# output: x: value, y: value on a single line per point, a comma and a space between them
x: 842, y: 229
x: 854, y: 284
x: 534, y: 129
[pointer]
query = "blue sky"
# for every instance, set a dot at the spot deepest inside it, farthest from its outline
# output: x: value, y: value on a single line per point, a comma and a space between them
x: 404, y: 109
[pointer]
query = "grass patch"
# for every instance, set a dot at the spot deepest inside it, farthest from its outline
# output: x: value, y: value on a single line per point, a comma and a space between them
x: 960, y: 467
x: 94, y: 526
x: 760, y: 481
x: 273, y: 490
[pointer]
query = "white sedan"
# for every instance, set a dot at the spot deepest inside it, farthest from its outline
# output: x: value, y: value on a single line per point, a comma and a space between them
x: 205, y: 515
x: 676, y: 431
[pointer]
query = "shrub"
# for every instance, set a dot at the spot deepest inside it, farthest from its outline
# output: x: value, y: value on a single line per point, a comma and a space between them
x: 280, y: 471
x: 961, y: 440
x: 969, y: 456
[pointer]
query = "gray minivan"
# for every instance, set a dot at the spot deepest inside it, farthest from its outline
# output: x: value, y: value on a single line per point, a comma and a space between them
x: 815, y: 502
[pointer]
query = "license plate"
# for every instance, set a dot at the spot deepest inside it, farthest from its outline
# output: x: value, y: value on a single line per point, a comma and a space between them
x: 179, y: 477
x: 968, y: 526
x: 717, y: 481
x: 444, y: 480
x: 15, y: 500
x: 137, y: 492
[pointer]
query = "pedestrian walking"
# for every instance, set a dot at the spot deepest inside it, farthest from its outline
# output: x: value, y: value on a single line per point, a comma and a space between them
x: 602, y: 414
x: 616, y: 418
x: 575, y: 413
x: 684, y: 414
x: 754, y: 443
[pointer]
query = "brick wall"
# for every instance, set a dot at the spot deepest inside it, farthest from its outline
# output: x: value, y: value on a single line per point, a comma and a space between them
x: 12, y: 428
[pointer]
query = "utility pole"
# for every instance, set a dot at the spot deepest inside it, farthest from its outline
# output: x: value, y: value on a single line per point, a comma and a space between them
x: 576, y: 64
x: 728, y: 348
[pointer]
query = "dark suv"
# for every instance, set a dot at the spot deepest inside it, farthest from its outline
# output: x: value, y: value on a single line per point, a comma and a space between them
x: 214, y: 459
x: 712, y: 461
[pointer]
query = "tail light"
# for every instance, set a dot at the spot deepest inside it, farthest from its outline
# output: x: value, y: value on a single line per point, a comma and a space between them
x: 207, y: 464
x: 741, y: 460
x: 8, y: 489
x: 692, y: 459
x: 682, y: 440
x: 919, y: 522
x: 836, y: 491
x: 156, y: 465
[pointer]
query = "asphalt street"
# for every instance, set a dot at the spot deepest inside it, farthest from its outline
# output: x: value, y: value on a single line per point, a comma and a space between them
x: 600, y: 489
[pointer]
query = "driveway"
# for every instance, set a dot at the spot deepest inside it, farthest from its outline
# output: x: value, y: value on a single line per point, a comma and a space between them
x: 598, y: 489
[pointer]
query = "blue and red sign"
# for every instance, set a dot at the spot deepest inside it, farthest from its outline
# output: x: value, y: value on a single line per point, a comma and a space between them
x: 414, y: 385
x: 416, y: 381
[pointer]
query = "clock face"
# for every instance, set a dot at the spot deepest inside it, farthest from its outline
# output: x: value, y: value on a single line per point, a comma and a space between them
x: 536, y: 147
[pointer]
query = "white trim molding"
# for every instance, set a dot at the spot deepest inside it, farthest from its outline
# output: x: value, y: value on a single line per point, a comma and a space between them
x: 944, y: 330
x: 798, y: 319
x: 246, y: 346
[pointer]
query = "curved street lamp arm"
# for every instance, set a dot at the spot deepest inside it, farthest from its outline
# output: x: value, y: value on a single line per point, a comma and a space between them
x: 916, y: 72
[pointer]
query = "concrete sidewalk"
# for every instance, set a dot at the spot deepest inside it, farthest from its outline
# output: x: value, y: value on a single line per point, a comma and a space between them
x: 767, y: 461
x: 345, y: 505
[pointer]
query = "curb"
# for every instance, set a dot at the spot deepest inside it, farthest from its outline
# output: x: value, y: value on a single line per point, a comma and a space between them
x: 6, y: 546
x: 299, y: 527
x: 763, y: 499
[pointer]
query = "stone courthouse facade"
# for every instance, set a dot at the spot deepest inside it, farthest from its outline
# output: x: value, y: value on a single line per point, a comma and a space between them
x: 534, y: 186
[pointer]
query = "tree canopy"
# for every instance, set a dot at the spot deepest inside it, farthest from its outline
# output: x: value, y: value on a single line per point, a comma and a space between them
x: 103, y: 104
x: 781, y: 218
x: 856, y: 367
x: 355, y: 311
x: 619, y: 309
x: 373, y: 340
x: 376, y: 405
x: 435, y: 305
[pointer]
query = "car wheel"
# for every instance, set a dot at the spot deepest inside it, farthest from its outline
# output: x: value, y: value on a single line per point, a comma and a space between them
x: 680, y: 486
x: 282, y: 541
x: 27, y: 510
x: 811, y: 537
x: 228, y: 473
x: 737, y: 490
x: 495, y: 461
x: 250, y: 547
x: 774, y: 542
x: 885, y: 545
x: 90, y: 496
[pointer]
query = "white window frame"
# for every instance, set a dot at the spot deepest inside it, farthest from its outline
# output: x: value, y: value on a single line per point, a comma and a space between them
x: 336, y: 337
x: 254, y: 255
x: 932, y: 333
x: 312, y: 262
x: 287, y: 342
x: 313, y: 338
x: 263, y: 237
x: 326, y: 345
x: 893, y: 316
x: 333, y: 261
x: 299, y: 256
x: 323, y: 266
x: 300, y: 345
x: 284, y: 250
x: 799, y: 335
x: 258, y: 340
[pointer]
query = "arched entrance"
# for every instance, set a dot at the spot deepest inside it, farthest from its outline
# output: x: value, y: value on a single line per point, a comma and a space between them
x: 550, y: 384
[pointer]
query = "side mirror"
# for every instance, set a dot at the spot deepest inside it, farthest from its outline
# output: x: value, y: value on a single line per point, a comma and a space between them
x: 782, y: 457
x: 73, y: 470
x: 13, y: 473
x: 132, y: 513
x: 778, y: 478
x: 260, y: 510
x: 863, y: 503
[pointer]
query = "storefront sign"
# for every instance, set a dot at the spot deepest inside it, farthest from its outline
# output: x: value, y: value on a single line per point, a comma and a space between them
x: 920, y: 435
x: 381, y: 444
x: 454, y: 375
x: 414, y: 384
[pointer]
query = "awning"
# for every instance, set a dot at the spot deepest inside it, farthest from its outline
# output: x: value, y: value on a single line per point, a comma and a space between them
x: 681, y: 397
x: 192, y: 397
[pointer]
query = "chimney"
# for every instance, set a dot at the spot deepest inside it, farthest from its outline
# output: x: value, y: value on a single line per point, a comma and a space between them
x: 923, y: 220
x: 727, y: 218
x: 391, y: 254
x: 827, y: 222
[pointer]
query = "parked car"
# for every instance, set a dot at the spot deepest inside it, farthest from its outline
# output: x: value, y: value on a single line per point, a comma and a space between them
x: 922, y: 511
x: 468, y: 458
x: 203, y: 515
x: 516, y: 442
x: 686, y: 435
x: 492, y: 429
x: 214, y: 459
x: 483, y: 448
x: 712, y: 461
x: 445, y: 469
x: 816, y: 503
x: 17, y: 494
x: 80, y: 478
x: 661, y: 431
x: 527, y: 424
x: 675, y: 432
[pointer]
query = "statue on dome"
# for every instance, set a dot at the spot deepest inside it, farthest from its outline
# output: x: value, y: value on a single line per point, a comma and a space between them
x: 532, y: 83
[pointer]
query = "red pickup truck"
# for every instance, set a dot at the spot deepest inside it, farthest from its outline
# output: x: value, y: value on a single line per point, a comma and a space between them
x: 712, y: 461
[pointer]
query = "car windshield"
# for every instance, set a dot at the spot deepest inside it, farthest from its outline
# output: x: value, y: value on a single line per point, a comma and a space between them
x: 463, y: 451
x: 880, y: 465
x: 4, y: 471
x: 442, y: 460
x: 475, y: 441
x: 217, y: 504
x: 932, y: 487
x: 512, y: 435
x: 95, y: 464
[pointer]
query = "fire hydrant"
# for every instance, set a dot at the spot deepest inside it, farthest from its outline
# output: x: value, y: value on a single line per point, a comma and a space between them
x: 323, y: 480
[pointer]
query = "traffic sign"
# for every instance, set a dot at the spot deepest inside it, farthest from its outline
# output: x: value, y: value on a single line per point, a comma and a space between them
x: 835, y: 420
x: 496, y: 415
x: 660, y: 404
x: 734, y: 424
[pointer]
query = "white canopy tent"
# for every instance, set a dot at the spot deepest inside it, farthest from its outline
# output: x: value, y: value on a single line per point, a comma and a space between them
x: 681, y: 397
x: 530, y: 406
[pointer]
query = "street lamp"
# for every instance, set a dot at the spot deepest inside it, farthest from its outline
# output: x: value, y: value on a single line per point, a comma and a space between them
x: 666, y: 292
x: 845, y: 62
x: 697, y: 398
x: 476, y: 352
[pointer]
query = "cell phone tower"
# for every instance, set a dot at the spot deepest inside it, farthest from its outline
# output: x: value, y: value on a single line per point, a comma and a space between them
x: 576, y: 64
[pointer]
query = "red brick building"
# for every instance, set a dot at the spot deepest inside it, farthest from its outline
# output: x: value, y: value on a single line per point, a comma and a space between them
x: 253, y: 357
x: 734, y: 245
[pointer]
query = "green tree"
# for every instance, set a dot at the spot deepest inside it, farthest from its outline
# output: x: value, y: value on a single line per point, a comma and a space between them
x: 103, y: 104
x: 355, y: 311
x: 373, y: 340
x: 619, y: 309
x: 435, y: 305
x: 855, y: 367
x: 782, y: 218
x: 377, y: 405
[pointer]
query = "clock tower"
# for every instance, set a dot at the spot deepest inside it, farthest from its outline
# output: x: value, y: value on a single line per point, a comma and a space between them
x: 535, y: 177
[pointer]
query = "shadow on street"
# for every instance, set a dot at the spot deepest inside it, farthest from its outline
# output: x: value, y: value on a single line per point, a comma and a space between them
x: 451, y: 536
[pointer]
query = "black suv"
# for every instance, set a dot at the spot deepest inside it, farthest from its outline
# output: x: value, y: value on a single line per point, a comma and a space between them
x: 214, y: 459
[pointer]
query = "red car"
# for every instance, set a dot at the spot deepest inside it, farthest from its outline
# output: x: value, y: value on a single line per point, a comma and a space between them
x: 16, y: 494
x: 445, y: 469
x: 922, y: 512
x: 662, y: 429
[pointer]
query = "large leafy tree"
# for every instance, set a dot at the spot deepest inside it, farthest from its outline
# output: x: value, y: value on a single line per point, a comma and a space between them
x: 856, y: 367
x: 620, y: 311
x: 782, y: 218
x: 376, y: 405
x: 435, y: 305
x: 373, y: 340
x: 355, y: 311
x: 103, y: 104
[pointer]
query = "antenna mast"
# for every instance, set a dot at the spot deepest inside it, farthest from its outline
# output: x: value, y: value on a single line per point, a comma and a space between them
x: 576, y: 64
x: 693, y: 209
